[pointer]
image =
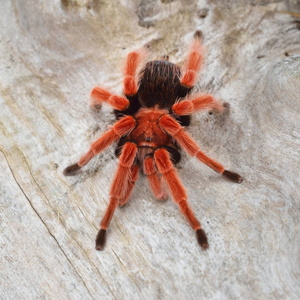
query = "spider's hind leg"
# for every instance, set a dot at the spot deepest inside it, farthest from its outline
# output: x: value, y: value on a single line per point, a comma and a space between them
x: 193, y: 61
x: 100, y: 95
x: 133, y: 62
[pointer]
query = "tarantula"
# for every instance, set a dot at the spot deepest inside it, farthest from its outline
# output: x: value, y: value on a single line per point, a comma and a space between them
x: 152, y: 117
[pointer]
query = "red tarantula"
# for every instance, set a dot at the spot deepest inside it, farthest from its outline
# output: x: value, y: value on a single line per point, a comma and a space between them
x: 151, y: 130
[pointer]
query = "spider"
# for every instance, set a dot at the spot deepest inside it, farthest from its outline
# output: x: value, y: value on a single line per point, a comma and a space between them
x: 150, y: 128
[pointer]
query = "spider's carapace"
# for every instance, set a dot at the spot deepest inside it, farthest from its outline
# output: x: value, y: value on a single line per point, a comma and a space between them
x: 152, y: 118
x: 148, y: 133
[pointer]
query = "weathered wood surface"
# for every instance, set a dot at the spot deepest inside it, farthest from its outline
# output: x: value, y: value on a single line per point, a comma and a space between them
x: 51, y: 54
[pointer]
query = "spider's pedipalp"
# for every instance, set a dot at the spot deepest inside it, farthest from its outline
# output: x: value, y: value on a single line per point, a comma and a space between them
x: 154, y: 180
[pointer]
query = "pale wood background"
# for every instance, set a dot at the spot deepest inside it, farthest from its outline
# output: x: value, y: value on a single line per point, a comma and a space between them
x: 51, y: 55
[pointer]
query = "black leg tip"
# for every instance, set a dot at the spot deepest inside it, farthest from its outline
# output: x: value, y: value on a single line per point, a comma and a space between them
x: 100, y: 240
x: 226, y: 105
x: 202, y: 239
x: 71, y: 170
x: 97, y: 107
x: 198, y: 35
x: 235, y: 177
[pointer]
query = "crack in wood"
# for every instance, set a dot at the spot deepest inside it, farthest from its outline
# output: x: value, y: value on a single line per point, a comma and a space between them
x: 58, y: 217
x: 44, y: 223
x: 125, y: 269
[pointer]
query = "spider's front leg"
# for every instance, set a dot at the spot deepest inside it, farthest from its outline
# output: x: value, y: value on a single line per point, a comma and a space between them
x: 131, y: 182
x: 168, y: 171
x: 118, y: 189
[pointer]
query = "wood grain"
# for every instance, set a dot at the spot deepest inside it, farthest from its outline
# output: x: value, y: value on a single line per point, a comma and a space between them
x: 52, y: 53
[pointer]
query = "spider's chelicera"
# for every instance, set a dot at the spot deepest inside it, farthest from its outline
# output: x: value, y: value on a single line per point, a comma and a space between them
x: 151, y: 131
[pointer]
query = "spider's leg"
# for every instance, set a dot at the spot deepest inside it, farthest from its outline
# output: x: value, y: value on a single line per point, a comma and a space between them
x: 193, y: 62
x: 131, y: 182
x: 169, y: 125
x: 118, y: 189
x: 99, y: 95
x: 133, y: 61
x: 119, y: 129
x: 168, y: 171
x: 196, y: 103
x: 154, y: 180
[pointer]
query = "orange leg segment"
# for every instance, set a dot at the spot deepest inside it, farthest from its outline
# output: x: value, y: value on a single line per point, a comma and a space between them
x: 118, y: 189
x: 154, y: 180
x: 132, y: 180
x: 133, y: 61
x: 99, y: 95
x: 168, y: 171
x: 119, y: 129
x: 169, y: 125
x: 193, y: 62
x: 200, y: 102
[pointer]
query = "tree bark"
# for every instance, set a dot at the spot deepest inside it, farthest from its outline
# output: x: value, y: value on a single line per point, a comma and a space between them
x: 52, y: 53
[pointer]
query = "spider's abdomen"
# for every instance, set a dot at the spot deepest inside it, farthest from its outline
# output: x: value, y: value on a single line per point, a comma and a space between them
x: 159, y: 84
